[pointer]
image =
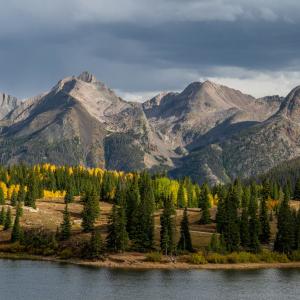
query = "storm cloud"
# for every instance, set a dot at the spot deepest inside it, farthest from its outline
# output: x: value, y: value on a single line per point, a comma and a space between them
x: 141, y: 47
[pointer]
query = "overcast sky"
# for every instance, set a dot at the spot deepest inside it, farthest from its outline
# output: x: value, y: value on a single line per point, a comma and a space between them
x: 140, y: 47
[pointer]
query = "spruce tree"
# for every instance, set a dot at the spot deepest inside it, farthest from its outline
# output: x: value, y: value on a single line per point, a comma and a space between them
x: 112, y: 236
x: 122, y: 237
x: 204, y: 205
x: 185, y: 241
x: 69, y: 197
x: 181, y: 195
x: 2, y: 216
x: 2, y: 199
x: 96, y: 250
x: 90, y: 211
x: 167, y: 230
x: 244, y: 228
x: 14, y: 198
x: 221, y: 213
x: 19, y: 209
x: 231, y: 231
x: 297, y: 231
x: 65, y: 227
x: 29, y: 199
x: 264, y: 236
x: 8, y: 220
x: 21, y: 194
x: 284, y: 241
x: 133, y: 200
x: 244, y: 219
x: 254, y: 226
x: 297, y: 190
x: 143, y: 236
x: 16, y: 231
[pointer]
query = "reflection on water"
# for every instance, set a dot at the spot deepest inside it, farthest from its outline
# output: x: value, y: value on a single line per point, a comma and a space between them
x: 42, y: 280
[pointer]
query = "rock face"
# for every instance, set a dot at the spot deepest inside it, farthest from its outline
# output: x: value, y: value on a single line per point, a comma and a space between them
x: 208, y: 131
x: 7, y: 104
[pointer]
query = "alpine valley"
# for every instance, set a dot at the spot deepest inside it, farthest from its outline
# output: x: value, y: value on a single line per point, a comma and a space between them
x: 208, y: 131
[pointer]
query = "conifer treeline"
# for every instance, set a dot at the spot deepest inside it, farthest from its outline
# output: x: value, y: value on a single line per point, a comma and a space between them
x: 242, y: 219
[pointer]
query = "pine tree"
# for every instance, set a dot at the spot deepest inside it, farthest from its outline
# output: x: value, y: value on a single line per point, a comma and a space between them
x: 14, y: 198
x: 284, y: 241
x: 244, y: 219
x: 221, y: 213
x: 133, y: 200
x: 244, y: 228
x: 90, y: 211
x: 204, y: 205
x: 96, y: 250
x: 264, y: 236
x: 230, y: 231
x: 143, y: 235
x: 185, y: 241
x: 2, y: 199
x: 181, y: 196
x: 69, y: 197
x: 254, y: 226
x: 167, y: 227
x: 112, y: 236
x: 2, y: 216
x: 8, y: 220
x: 297, y: 231
x: 16, y: 231
x: 65, y: 227
x: 297, y: 190
x: 29, y: 199
x: 21, y: 194
x: 122, y: 236
x: 19, y: 209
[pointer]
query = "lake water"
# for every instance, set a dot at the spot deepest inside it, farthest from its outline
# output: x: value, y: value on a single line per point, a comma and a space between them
x: 44, y: 280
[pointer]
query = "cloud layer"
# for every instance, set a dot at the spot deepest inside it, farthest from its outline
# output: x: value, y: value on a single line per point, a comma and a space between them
x: 140, y: 47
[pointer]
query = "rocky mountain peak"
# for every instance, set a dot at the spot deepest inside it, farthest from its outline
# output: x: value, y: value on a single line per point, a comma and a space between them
x: 290, y: 108
x: 7, y: 104
x: 87, y: 77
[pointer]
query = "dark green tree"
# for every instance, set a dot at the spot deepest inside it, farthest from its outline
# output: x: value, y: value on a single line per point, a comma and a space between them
x: 143, y: 219
x: 284, y: 241
x: 185, y: 241
x: 16, y: 231
x: 231, y: 230
x: 204, y: 204
x: 2, y: 216
x: 14, y: 198
x: 2, y: 199
x: 167, y: 226
x: 91, y: 210
x: 264, y: 236
x: 112, y: 236
x: 133, y: 200
x: 69, y: 197
x: 297, y: 190
x: 65, y: 227
x: 181, y: 195
x: 8, y: 221
x: 254, y: 226
x: 21, y: 194
x: 96, y: 250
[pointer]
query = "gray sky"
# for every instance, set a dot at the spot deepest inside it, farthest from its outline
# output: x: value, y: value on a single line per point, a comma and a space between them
x: 140, y: 47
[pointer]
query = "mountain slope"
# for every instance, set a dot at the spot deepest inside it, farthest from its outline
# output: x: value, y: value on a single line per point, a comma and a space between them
x: 252, y: 150
x: 207, y: 131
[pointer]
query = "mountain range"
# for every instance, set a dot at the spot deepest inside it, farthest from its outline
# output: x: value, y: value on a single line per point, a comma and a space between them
x: 208, y: 131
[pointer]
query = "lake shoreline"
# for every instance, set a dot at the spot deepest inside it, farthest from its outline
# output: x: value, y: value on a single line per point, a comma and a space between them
x: 128, y: 263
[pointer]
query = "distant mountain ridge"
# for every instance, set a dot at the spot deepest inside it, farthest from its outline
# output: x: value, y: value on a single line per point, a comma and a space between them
x: 208, y: 131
